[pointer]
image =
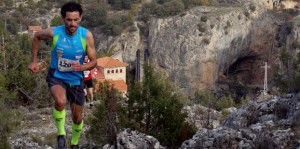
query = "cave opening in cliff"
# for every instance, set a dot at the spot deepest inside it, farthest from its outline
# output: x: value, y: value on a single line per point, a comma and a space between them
x: 240, y: 76
x: 241, y: 65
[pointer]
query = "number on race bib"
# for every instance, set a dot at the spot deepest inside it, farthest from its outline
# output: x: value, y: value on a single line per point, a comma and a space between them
x: 64, y: 64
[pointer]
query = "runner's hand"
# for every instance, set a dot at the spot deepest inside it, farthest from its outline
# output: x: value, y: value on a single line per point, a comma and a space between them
x: 76, y: 66
x: 33, y: 67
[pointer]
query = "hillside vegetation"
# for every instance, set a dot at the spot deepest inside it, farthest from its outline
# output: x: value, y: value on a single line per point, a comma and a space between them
x: 19, y: 87
x: 153, y: 106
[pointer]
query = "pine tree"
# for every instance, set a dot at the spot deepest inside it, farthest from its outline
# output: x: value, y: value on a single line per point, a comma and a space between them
x: 155, y: 108
x: 104, y: 121
x: 10, y: 117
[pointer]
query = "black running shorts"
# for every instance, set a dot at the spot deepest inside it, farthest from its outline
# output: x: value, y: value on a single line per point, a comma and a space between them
x: 89, y: 83
x: 75, y: 93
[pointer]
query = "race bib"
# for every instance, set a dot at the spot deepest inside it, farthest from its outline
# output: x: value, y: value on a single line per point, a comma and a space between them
x: 86, y: 73
x: 65, y: 65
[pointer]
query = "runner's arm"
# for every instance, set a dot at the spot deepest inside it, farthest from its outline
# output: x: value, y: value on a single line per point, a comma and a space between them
x: 91, y: 52
x: 45, y: 34
x: 41, y: 35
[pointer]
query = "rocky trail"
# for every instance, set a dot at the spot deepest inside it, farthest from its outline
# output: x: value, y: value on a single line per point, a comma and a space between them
x: 38, y: 131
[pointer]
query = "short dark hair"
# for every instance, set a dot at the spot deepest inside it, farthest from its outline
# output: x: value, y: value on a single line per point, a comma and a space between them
x: 71, y: 7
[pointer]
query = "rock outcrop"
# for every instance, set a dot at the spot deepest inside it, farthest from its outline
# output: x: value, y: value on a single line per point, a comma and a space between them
x: 129, y: 139
x: 270, y: 125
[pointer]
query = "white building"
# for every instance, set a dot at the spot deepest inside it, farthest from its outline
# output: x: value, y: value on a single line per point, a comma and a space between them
x: 113, y: 71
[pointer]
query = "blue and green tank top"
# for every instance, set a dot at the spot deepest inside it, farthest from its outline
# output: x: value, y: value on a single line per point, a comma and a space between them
x: 66, y: 49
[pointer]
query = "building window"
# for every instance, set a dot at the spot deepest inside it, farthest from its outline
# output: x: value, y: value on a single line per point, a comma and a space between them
x: 108, y: 71
x: 117, y: 71
x: 120, y: 70
x: 112, y: 71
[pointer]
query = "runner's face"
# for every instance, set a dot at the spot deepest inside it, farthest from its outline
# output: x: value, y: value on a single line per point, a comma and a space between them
x: 72, y: 21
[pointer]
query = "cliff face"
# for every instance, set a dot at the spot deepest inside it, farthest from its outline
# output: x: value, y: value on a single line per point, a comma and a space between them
x: 212, y: 47
x: 206, y: 43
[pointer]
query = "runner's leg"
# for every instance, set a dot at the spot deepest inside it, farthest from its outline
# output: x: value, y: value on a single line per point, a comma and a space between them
x: 58, y: 91
x: 59, y: 113
x: 77, y: 124
x: 76, y: 96
x: 91, y: 95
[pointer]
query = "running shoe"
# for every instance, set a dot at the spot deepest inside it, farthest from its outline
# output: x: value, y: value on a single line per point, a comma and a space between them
x: 61, y: 142
x: 91, y: 104
x: 74, y: 146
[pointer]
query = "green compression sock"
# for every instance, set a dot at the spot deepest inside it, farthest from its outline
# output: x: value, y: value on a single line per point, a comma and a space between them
x: 60, y: 118
x: 76, y: 131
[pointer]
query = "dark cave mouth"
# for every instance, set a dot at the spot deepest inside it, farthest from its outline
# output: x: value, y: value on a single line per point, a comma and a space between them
x: 242, y: 64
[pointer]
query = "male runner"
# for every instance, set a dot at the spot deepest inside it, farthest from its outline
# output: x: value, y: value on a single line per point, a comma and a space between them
x: 88, y: 84
x: 70, y: 43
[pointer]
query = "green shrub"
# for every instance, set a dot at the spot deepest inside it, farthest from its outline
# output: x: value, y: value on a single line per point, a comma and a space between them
x: 116, y: 30
x: 155, y: 108
x: 116, y: 24
x: 247, y: 14
x: 201, y: 27
x: 132, y: 29
x: 143, y: 30
x: 228, y: 24
x: 284, y: 56
x: 205, y: 98
x: 192, y: 3
x: 295, y: 44
x: 206, y: 41
x: 91, y: 20
x: 242, y: 101
x: 49, y: 139
x: 104, y: 125
x: 145, y: 17
x: 171, y: 8
x: 297, y: 21
x: 252, y: 7
x: 56, y: 21
x: 224, y: 103
x: 182, y: 14
x: 10, y: 122
x: 298, y: 58
x: 204, y: 18
x: 224, y: 115
x: 239, y: 17
x: 43, y: 11
x: 121, y: 4
x: 289, y: 27
x: 149, y: 8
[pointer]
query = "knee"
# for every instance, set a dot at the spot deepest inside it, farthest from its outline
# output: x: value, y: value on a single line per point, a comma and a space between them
x: 60, y: 104
x: 91, y: 92
x: 77, y: 119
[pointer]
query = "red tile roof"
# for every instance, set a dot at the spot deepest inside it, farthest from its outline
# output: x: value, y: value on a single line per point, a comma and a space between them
x: 34, y: 28
x: 108, y: 62
x: 119, y: 85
